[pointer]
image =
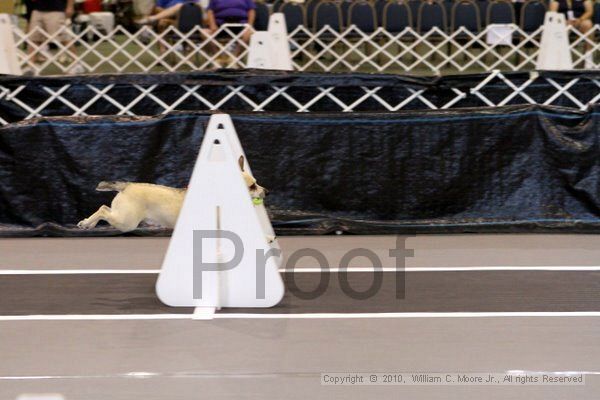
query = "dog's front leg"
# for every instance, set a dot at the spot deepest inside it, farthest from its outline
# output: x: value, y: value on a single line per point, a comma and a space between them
x: 90, y: 222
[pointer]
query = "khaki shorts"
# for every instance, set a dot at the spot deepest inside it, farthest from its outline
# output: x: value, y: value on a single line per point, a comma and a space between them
x: 143, y: 7
x: 49, y: 22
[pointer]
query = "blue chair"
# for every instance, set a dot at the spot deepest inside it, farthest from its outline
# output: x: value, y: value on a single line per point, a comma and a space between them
x: 327, y: 14
x: 363, y: 15
x: 531, y: 18
x: 448, y: 4
x: 344, y: 7
x: 309, y: 7
x: 189, y: 17
x: 379, y: 6
x: 414, y: 6
x: 277, y: 5
x: 483, y: 6
x: 294, y: 15
x: 396, y: 17
x: 432, y: 15
x: 261, y: 23
x: 532, y: 15
x: 596, y: 17
x: 465, y: 13
x: 500, y: 12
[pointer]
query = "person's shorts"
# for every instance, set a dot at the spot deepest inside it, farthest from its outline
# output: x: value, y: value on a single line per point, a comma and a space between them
x: 49, y: 22
x: 143, y: 8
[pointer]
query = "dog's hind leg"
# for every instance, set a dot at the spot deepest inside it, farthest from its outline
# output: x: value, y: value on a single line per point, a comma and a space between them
x: 126, y: 212
x: 122, y: 221
x: 93, y: 219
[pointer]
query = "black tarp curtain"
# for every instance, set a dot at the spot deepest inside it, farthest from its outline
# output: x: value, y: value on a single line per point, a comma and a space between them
x: 36, y: 93
x: 511, y: 169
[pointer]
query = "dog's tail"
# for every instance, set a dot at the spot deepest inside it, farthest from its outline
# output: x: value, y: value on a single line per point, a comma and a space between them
x: 111, y: 186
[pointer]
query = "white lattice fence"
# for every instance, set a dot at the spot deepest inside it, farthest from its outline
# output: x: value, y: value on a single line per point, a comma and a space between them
x: 34, y: 98
x: 122, y: 51
x: 434, y: 51
x: 352, y: 50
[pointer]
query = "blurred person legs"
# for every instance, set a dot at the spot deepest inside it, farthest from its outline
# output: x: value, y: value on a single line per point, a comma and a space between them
x: 143, y: 8
x: 584, y: 26
x: 164, y: 16
x: 231, y: 38
x: 44, y: 25
x: 167, y: 14
x: 578, y: 14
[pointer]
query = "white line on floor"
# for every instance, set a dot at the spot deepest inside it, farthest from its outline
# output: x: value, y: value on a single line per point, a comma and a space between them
x: 310, y: 270
x: 447, y: 269
x: 76, y: 271
x: 146, y: 375
x: 408, y: 315
x: 92, y: 317
x: 109, y: 317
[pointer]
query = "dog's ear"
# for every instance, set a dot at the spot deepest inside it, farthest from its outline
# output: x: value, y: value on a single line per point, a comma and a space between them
x: 241, y: 162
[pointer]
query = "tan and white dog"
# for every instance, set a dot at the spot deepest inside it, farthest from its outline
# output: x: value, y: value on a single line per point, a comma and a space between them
x: 154, y: 204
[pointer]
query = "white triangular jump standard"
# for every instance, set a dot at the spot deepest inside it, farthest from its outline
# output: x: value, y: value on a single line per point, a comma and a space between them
x: 555, y: 51
x: 212, y: 258
x: 270, y: 49
x: 282, y: 59
x: 9, y: 63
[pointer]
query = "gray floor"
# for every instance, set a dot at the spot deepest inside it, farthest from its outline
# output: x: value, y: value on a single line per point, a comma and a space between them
x: 412, y: 292
x: 283, y: 358
x: 429, y: 250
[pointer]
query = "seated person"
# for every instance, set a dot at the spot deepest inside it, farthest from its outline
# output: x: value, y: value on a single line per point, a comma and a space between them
x: 219, y: 12
x: 578, y: 14
x: 165, y: 13
x: 232, y: 12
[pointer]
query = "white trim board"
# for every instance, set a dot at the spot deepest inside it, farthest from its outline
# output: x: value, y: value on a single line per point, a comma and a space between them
x: 311, y: 270
x: 109, y: 317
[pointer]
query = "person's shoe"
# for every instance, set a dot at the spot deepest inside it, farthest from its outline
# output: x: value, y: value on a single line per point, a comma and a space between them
x: 76, y: 69
x: 145, y: 37
x: 64, y: 59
